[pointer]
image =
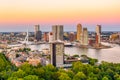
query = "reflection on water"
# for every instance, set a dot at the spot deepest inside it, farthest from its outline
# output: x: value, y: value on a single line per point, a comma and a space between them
x: 109, y: 55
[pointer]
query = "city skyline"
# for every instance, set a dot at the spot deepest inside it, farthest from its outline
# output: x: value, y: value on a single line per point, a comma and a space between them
x: 48, y: 28
x: 18, y: 15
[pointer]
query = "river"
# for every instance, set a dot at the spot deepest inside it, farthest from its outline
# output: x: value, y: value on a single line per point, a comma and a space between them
x: 109, y: 55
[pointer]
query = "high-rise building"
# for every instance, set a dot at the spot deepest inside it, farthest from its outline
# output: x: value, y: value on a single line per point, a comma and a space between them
x: 36, y: 28
x: 79, y: 32
x: 71, y: 36
x: 57, y: 53
x: 37, y: 32
x: 98, y: 35
x: 84, y: 37
x: 57, y: 32
x: 50, y: 37
x: 98, y: 29
x: 45, y: 37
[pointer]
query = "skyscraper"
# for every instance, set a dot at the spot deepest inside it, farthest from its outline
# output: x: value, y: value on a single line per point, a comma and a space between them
x: 57, y: 32
x: 45, y: 37
x: 57, y: 53
x: 98, y: 35
x: 79, y: 32
x: 71, y: 36
x: 37, y: 32
x: 36, y: 29
x: 84, y: 37
x: 50, y: 37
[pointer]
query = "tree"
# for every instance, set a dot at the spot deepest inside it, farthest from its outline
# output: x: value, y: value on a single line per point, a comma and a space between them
x: 75, y: 55
x: 64, y: 76
x: 96, y: 70
x: 31, y: 77
x: 80, y: 76
x: 4, y: 64
x: 93, y: 78
x: 92, y: 61
x: 39, y: 72
x: 12, y: 78
x: 105, y: 78
x: 27, y: 68
x: 70, y: 74
x: 50, y: 67
x: 110, y: 73
x: 19, y: 74
x: 118, y: 78
x: 49, y: 71
x: 77, y: 67
x: 6, y: 74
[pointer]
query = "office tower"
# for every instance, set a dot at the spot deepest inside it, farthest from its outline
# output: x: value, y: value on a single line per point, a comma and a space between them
x: 84, y: 37
x: 76, y: 36
x: 50, y: 37
x: 79, y: 32
x: 71, y: 36
x: 57, y: 32
x: 98, y: 35
x: 45, y: 37
x: 57, y: 53
x: 37, y: 32
x: 36, y: 29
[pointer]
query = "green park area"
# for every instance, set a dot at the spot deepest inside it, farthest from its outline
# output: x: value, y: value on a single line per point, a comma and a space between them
x: 78, y: 71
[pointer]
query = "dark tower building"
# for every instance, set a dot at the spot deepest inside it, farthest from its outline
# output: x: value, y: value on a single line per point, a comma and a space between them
x: 57, y: 53
x: 37, y: 33
x: 57, y: 32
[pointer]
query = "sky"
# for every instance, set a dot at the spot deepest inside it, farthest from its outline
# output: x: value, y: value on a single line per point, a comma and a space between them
x: 18, y: 15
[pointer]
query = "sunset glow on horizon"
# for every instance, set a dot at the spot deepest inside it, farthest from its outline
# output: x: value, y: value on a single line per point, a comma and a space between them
x: 59, y: 11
